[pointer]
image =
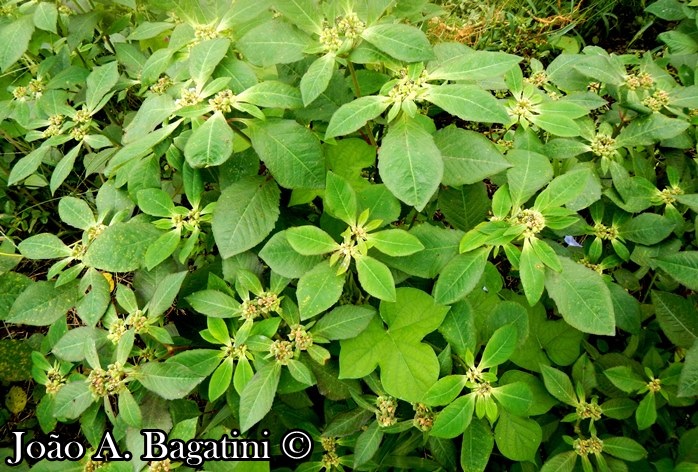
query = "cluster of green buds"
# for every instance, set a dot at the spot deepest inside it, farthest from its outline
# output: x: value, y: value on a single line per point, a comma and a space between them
x: 532, y: 220
x: 92, y: 465
x: 658, y: 100
x: 522, y: 109
x: 54, y: 380
x: 51, y: 375
x: 138, y: 321
x: 330, y: 459
x: 408, y: 87
x: 302, y: 339
x: 112, y: 381
x: 116, y: 330
x: 603, y: 145
x: 354, y: 241
x: 54, y: 126
x: 586, y: 410
x: 160, y: 466
x: 636, y: 81
x: 32, y: 91
x: 608, y: 233
x: 188, y: 97
x: 265, y: 303
x: 423, y: 417
x: 281, y: 351
x: 161, y: 86
x: 538, y: 78
x: 668, y: 195
x: 223, y: 101
x: 385, y: 415
x: 235, y: 352
x: 342, y: 33
x: 584, y: 447
x: 204, y: 32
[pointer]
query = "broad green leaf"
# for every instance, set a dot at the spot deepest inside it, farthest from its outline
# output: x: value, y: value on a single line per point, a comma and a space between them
x: 563, y: 462
x: 317, y: 78
x: 646, y: 413
x: 99, y: 83
x: 395, y: 242
x: 645, y: 131
x: 310, y: 240
x: 129, y: 410
x: 559, y: 385
x: 291, y: 152
x: 340, y: 199
x: 205, y: 56
x: 139, y: 148
x: 559, y: 125
x: 213, y: 303
x: 625, y: 378
x: 500, y: 347
x: 211, y: 144
x: 149, y: 29
x: 515, y: 397
x: 344, y: 322
x: 168, y: 379
x: 282, y: 259
x: 546, y: 254
x: 410, y: 164
x: 367, y: 444
x: 162, y: 248
x: 353, y: 115
x: 529, y: 173
x: 301, y: 373
x: 647, y: 229
x: 318, y: 289
x: 408, y: 367
x: 72, y: 400
x: 688, y: 379
x: 682, y: 267
x: 63, y: 168
x: 258, y: 396
x: 27, y: 165
x: 165, y: 293
x: 468, y: 157
x: 444, y: 391
x: 477, y: 445
x: 532, y: 272
x: 44, y: 246
x: 468, y: 102
x: 121, y: 247
x: 45, y: 16
x: 563, y: 189
x: 306, y: 14
x: 403, y: 42
x: 42, y: 303
x: 676, y: 316
x: 93, y: 305
x: 455, y: 418
x: 460, y: 276
x: 582, y: 298
x: 245, y: 214
x: 464, y: 206
x: 458, y: 328
x: 469, y: 64
x: 154, y: 110
x: 272, y: 94
x: 76, y: 212
x: 71, y: 346
x: 517, y: 438
x: 375, y: 278
x: 15, y: 34
x: 624, y: 448
x: 155, y: 202
x: 273, y: 42
x: 220, y: 380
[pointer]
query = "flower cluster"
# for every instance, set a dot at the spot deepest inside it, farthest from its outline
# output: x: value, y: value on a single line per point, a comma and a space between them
x: 387, y: 406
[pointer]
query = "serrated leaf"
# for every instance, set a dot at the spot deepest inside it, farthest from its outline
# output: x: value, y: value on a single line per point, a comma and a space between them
x: 477, y: 445
x: 213, y: 303
x: 676, y: 316
x: 500, y: 347
x: 460, y: 276
x: 529, y: 173
x: 121, y: 247
x: 559, y: 385
x: 273, y: 42
x: 45, y: 16
x: 319, y: 289
x: 403, y: 42
x: 395, y: 242
x: 99, y: 83
x: 353, y: 115
x: 258, y: 396
x: 344, y: 322
x: 624, y: 448
x: 211, y: 144
x: 168, y: 379
x: 375, y: 278
x: 682, y: 267
x: 468, y: 102
x: 272, y: 94
x: 310, y: 240
x: 455, y: 418
x: 42, y: 303
x: 517, y: 438
x: 317, y: 78
x: 14, y: 40
x: 688, y: 379
x: 647, y: 229
x: 281, y: 258
x: 340, y: 199
x: 205, y: 56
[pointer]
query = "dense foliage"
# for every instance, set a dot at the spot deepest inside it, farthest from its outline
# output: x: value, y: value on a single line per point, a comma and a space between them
x: 281, y: 214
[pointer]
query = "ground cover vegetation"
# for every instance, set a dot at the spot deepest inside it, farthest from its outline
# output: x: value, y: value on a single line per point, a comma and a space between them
x: 428, y: 252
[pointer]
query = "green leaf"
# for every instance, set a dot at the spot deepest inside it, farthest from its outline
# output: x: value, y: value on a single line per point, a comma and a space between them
x: 42, y: 303
x: 44, y: 246
x: 468, y: 102
x: 444, y: 391
x: 211, y: 144
x: 46, y: 16
x: 647, y: 229
x: 403, y: 42
x: 129, y: 411
x: 310, y: 240
x: 205, y: 56
x: 625, y: 378
x: 682, y: 267
x: 375, y: 278
x: 500, y: 347
x: 272, y: 94
x: 676, y: 316
x: 582, y: 298
x: 220, y: 380
x: 409, y: 163
x: 148, y: 30
x: 355, y: 114
x: 155, y: 202
x: 93, y: 305
x: 162, y: 248
x: 14, y: 39
x: 305, y: 14
x: 559, y: 385
x: 340, y: 199
x: 563, y: 189
x: 121, y: 247
x: 76, y: 212
x: 563, y: 462
x: 168, y: 379
x: 458, y: 328
x: 624, y: 448
x: 291, y: 152
x: 646, y: 413
x: 273, y: 42
x: 468, y: 157
x: 455, y: 418
x: 463, y: 206
x: 282, y: 259
x: 460, y: 276
x: 63, y: 168
x: 318, y: 289
x: 408, y: 367
x: 515, y: 397
x: 344, y: 322
x: 245, y: 214
x: 367, y: 444
x: 301, y: 373
x: 477, y: 445
x: 27, y: 165
x: 258, y: 396
x: 213, y: 303
x: 517, y: 438
x: 650, y: 129
x: 99, y: 83
x: 469, y: 64
x: 688, y: 379
x: 165, y: 293
x: 317, y: 78
x: 72, y: 400
x: 529, y: 173
x: 532, y: 272
x: 395, y: 242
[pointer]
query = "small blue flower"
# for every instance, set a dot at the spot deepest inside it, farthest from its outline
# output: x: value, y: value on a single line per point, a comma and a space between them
x: 572, y: 242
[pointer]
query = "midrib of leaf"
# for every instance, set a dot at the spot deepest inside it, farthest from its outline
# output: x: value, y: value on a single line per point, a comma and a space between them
x: 293, y: 155
x: 581, y: 299
x: 367, y: 267
x: 676, y: 318
x: 233, y: 233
